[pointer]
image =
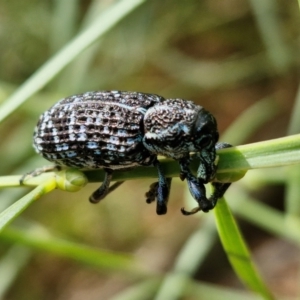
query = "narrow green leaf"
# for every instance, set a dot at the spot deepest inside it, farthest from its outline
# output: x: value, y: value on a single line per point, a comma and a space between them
x: 271, y: 153
x: 269, y: 25
x: 237, y: 251
x: 18, y: 207
x: 55, y: 64
x: 233, y: 162
x: 232, y: 165
x: 38, y: 238
x: 262, y: 215
x: 292, y: 189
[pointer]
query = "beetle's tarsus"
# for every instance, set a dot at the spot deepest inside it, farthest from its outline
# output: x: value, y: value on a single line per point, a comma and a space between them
x: 159, y: 190
x: 197, y: 188
x: 219, y: 191
x: 208, y: 204
x: 151, y: 194
x: 163, y: 192
x: 219, y: 187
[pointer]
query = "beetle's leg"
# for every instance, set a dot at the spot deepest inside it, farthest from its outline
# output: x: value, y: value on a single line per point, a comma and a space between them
x: 196, y: 186
x: 155, y: 192
x: 151, y: 194
x: 219, y: 191
x: 206, y: 204
x: 198, y: 192
x: 219, y: 188
x: 197, y: 189
x: 39, y: 171
x: 159, y: 190
x: 103, y: 190
x: 163, y: 192
x: 184, y: 168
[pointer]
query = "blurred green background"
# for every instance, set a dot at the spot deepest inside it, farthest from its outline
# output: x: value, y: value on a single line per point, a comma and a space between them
x: 237, y: 58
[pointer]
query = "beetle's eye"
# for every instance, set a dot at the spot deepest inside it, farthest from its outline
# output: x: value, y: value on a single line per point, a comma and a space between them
x: 205, y: 141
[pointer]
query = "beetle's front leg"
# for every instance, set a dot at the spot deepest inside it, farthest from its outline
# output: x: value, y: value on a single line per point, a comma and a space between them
x: 219, y: 187
x: 219, y: 191
x: 196, y: 188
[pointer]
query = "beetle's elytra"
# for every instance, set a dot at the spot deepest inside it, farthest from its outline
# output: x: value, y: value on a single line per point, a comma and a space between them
x: 116, y: 130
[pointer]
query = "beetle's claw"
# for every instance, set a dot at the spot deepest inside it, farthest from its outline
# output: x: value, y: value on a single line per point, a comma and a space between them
x: 188, y: 213
x: 204, y: 205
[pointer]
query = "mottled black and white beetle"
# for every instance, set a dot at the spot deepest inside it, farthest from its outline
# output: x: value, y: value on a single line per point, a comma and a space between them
x: 117, y: 130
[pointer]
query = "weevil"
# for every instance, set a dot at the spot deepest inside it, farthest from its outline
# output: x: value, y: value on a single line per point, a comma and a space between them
x: 115, y: 130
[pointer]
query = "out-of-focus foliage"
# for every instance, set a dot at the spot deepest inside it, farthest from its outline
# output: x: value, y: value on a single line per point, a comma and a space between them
x: 230, y: 56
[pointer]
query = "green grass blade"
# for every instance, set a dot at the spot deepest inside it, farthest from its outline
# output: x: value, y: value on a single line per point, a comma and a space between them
x: 39, y: 238
x: 269, y: 25
x: 54, y: 65
x: 232, y: 165
x: 272, y: 153
x: 63, y: 24
x: 292, y: 191
x: 140, y: 291
x: 207, y: 291
x: 18, y: 207
x: 194, y: 290
x: 237, y: 250
x: 264, y: 216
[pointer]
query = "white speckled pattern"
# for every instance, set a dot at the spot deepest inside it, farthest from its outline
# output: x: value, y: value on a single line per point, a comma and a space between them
x: 95, y: 130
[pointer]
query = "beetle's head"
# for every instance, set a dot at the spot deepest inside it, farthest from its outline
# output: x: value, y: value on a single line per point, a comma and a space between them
x: 205, y: 132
